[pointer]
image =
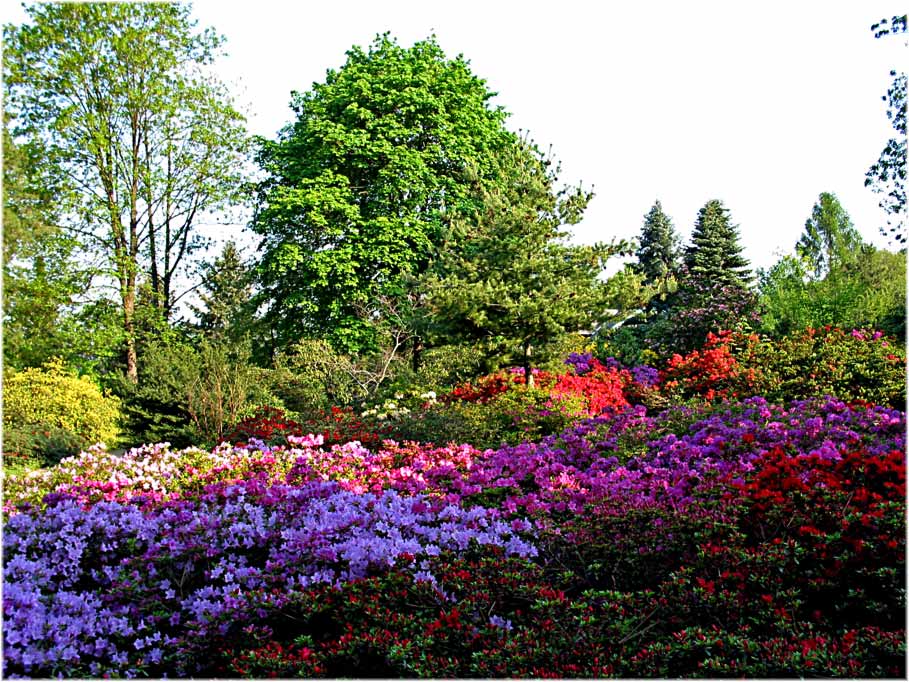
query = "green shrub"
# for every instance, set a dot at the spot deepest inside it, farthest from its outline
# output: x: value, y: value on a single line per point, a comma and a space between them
x: 855, y: 365
x: 223, y: 389
x: 156, y: 408
x: 51, y: 399
x: 29, y: 447
x: 311, y: 377
x: 517, y: 415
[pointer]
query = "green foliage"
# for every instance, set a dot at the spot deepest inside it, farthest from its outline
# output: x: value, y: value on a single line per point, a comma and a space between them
x: 856, y: 365
x: 120, y: 97
x: 712, y: 294
x: 829, y: 238
x: 714, y: 256
x: 518, y: 415
x: 226, y: 293
x: 887, y: 176
x: 30, y: 446
x: 512, y: 275
x: 156, y: 408
x: 310, y: 376
x: 224, y: 389
x: 866, y: 290
x: 365, y: 182
x: 658, y: 249
x: 192, y: 390
x: 52, y: 398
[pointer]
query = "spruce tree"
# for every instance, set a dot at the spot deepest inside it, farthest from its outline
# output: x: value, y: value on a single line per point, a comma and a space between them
x: 226, y: 295
x: 714, y: 257
x: 658, y: 252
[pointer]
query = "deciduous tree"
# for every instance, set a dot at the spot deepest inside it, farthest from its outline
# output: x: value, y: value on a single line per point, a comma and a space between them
x: 829, y: 237
x: 364, y: 185
x: 121, y: 96
x: 888, y: 175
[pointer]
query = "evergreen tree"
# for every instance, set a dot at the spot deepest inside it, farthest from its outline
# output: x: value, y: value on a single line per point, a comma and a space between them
x: 829, y: 237
x: 714, y: 257
x: 514, y: 278
x: 658, y: 252
x: 226, y: 293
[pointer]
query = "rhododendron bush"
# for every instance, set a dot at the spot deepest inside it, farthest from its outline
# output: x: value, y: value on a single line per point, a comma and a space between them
x: 740, y: 537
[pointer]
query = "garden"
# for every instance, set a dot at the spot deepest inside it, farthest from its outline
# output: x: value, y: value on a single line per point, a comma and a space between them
x: 631, y: 522
x: 352, y: 400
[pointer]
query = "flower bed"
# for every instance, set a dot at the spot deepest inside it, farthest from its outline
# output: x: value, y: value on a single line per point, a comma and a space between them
x: 745, y: 539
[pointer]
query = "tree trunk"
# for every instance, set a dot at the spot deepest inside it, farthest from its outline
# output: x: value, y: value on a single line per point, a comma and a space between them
x: 129, y: 326
x: 528, y: 372
x: 416, y: 354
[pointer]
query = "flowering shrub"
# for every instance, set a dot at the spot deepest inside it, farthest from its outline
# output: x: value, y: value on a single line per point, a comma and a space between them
x: 50, y: 399
x: 112, y: 590
x: 855, y: 365
x: 267, y: 424
x: 743, y: 538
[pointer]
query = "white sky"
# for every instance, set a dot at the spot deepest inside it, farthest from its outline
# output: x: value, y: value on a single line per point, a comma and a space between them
x: 762, y: 105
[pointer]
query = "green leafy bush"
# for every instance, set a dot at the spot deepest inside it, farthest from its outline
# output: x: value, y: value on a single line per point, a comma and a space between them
x: 855, y: 365
x: 156, y: 408
x: 50, y: 399
x: 311, y: 376
x: 518, y: 415
x: 28, y: 447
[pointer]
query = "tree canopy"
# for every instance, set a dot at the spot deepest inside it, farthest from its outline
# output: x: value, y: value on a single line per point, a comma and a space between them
x: 120, y: 96
x: 513, y: 276
x: 887, y: 176
x: 829, y: 237
x: 366, y: 182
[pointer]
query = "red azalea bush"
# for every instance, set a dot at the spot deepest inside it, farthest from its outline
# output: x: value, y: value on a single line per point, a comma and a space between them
x: 712, y: 372
x: 339, y: 425
x: 601, y: 387
x: 268, y: 424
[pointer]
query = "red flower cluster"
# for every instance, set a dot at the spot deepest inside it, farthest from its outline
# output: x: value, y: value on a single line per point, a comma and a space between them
x: 342, y: 425
x: 268, y: 424
x: 602, y: 387
x: 708, y: 371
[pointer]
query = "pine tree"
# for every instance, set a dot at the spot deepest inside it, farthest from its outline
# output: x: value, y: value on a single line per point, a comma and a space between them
x: 226, y: 294
x: 658, y: 252
x: 514, y: 277
x: 714, y: 257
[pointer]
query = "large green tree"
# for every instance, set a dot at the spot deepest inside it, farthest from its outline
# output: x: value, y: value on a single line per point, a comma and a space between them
x: 122, y: 98
x: 364, y: 185
x: 887, y: 176
x: 658, y: 248
x: 829, y: 237
x: 45, y: 312
x: 513, y: 276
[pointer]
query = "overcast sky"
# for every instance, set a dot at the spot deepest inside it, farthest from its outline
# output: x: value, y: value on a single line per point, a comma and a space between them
x: 762, y: 105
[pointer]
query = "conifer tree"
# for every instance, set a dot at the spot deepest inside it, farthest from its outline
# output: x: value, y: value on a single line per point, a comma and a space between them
x: 514, y: 277
x: 226, y: 294
x: 714, y: 257
x: 658, y: 251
